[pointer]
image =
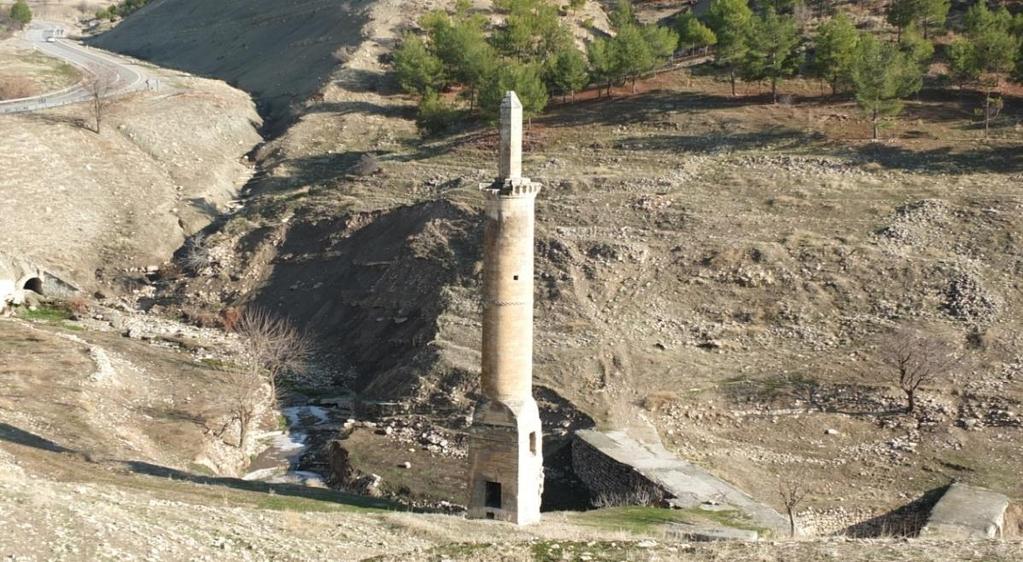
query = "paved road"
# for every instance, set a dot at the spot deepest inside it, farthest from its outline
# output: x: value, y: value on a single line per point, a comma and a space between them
x: 116, y: 72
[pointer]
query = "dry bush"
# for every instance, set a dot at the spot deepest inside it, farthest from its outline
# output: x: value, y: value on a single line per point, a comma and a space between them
x: 656, y: 401
x: 16, y: 87
x: 196, y: 258
x: 78, y: 304
x: 200, y: 317
x: 635, y: 496
x: 229, y: 317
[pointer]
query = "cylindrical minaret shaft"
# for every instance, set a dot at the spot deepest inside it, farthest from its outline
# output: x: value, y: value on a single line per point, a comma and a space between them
x: 508, y: 297
x: 508, y: 241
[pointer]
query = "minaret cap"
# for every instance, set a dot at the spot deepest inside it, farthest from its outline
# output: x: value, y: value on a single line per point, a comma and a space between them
x: 510, y: 165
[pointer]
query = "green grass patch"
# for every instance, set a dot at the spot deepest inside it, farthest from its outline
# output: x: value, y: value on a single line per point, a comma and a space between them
x: 316, y: 500
x: 45, y: 313
x: 635, y: 519
x: 217, y: 364
x: 643, y: 520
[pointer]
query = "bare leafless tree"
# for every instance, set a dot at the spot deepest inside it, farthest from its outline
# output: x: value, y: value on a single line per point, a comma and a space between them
x: 246, y: 392
x: 272, y: 347
x: 915, y: 358
x: 792, y: 493
x: 99, y: 89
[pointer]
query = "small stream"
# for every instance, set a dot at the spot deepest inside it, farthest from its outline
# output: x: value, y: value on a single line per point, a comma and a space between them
x: 309, y: 424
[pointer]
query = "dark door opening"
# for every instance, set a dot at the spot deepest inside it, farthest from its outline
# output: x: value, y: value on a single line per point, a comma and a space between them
x: 493, y: 498
x: 35, y: 285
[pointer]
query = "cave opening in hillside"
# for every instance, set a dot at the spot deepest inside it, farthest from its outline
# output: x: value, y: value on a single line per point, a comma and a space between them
x: 35, y: 285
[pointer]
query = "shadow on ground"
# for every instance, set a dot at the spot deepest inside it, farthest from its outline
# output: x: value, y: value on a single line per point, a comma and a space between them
x: 21, y: 437
x: 905, y: 521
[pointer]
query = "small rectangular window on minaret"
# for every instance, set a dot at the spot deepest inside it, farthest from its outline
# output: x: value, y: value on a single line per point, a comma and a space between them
x: 516, y: 277
x: 532, y: 442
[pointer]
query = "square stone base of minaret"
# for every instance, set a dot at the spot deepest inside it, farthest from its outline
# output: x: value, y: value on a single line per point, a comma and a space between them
x: 506, y: 463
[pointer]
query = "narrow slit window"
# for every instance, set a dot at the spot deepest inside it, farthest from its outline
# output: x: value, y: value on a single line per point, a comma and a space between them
x: 532, y: 442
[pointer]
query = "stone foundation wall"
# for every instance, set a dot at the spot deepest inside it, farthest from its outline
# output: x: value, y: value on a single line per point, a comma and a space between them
x: 611, y: 480
x: 822, y: 522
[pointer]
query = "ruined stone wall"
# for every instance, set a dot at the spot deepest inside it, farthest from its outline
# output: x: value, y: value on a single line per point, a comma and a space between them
x: 609, y: 479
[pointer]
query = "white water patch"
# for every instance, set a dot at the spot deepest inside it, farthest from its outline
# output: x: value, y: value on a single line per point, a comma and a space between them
x: 295, y: 414
x: 300, y: 477
x: 284, y: 449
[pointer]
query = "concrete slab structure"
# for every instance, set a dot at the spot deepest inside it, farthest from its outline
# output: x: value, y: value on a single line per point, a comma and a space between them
x: 684, y: 485
x: 505, y: 458
x: 16, y: 277
x: 966, y: 512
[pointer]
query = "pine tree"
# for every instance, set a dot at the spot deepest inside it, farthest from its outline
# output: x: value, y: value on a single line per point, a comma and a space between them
x: 20, y: 13
x: 918, y: 48
x: 603, y: 69
x: 693, y: 34
x: 834, y: 51
x: 771, y: 54
x: 462, y: 47
x: 622, y: 15
x: 417, y: 69
x: 523, y: 78
x: 532, y: 30
x: 984, y: 54
x: 928, y: 14
x: 882, y: 75
x: 730, y: 21
x: 566, y: 72
x: 632, y: 53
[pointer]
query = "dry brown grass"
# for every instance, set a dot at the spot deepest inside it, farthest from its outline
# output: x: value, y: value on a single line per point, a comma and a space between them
x: 15, y: 87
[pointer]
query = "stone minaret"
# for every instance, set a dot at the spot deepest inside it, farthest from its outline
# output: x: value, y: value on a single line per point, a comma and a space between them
x: 505, y: 461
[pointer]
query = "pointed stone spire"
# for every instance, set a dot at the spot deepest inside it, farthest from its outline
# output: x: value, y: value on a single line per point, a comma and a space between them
x: 510, y: 165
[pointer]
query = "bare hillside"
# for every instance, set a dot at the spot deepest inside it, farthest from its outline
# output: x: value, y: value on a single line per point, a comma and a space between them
x: 278, y: 52
x: 82, y: 202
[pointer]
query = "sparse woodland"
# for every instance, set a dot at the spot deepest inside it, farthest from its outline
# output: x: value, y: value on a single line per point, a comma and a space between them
x: 532, y: 52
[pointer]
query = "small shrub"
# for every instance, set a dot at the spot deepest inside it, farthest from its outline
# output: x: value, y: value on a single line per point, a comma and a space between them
x: 435, y: 115
x: 367, y: 165
x: 635, y: 496
x: 229, y: 317
x: 196, y: 257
